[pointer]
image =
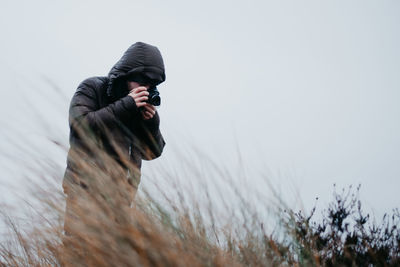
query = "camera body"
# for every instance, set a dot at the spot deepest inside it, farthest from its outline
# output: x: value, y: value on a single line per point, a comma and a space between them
x: 154, y: 96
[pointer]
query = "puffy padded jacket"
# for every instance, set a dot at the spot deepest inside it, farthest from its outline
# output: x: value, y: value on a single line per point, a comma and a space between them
x: 101, y: 108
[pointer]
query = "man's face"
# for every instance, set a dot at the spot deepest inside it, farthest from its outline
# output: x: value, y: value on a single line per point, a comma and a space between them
x: 132, y: 85
x: 137, y: 80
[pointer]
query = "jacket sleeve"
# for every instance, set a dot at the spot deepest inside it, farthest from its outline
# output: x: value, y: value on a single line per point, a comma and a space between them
x: 152, y: 142
x: 84, y: 109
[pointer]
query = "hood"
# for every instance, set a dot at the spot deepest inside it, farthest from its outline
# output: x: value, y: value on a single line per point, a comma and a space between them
x: 139, y: 58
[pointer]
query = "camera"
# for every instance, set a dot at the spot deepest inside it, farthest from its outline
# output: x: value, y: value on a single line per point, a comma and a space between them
x: 154, y: 96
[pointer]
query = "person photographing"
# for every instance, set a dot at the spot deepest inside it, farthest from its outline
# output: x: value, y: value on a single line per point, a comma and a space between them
x: 115, y: 115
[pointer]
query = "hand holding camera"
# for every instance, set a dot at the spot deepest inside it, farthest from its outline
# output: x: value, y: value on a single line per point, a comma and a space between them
x: 144, y: 91
x: 140, y: 95
x: 140, y: 80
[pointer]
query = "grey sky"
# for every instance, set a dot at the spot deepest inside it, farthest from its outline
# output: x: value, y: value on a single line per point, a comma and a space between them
x: 307, y: 89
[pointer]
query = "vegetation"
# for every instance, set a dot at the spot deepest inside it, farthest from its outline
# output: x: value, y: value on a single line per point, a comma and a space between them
x: 174, y: 228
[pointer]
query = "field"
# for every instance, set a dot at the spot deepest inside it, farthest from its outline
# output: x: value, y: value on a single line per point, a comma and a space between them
x: 204, y: 224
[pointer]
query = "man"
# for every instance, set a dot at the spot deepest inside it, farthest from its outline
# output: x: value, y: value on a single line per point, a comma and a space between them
x: 113, y: 126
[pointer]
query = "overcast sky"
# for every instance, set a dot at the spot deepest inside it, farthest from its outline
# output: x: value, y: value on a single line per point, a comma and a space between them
x: 307, y: 90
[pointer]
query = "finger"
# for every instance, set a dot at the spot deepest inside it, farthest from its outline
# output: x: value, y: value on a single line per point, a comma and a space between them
x: 150, y: 108
x: 147, y: 107
x: 146, y: 116
x: 140, y: 104
x: 139, y: 89
x: 142, y: 93
x: 142, y: 99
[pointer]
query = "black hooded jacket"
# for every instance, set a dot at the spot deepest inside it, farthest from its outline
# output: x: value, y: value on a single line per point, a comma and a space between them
x: 102, y: 110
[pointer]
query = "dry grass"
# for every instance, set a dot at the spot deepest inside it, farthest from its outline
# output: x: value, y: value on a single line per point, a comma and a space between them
x: 174, y: 228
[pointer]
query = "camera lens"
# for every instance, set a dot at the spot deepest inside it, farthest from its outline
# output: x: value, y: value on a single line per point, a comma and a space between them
x: 155, y: 100
x: 154, y: 96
